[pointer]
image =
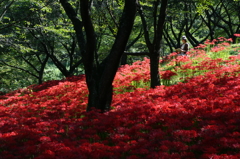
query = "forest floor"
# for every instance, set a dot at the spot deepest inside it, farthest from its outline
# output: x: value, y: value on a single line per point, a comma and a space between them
x: 195, y: 113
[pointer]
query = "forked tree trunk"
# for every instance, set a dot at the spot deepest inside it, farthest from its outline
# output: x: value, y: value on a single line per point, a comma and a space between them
x: 154, y: 47
x: 114, y: 58
x: 99, y: 76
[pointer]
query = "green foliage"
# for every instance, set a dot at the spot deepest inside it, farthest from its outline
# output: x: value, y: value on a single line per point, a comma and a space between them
x: 234, y: 49
x: 203, y: 5
x: 30, y: 29
x: 34, y: 30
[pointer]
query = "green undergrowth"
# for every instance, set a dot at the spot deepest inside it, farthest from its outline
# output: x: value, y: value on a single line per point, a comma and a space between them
x: 133, y: 85
x: 183, y: 74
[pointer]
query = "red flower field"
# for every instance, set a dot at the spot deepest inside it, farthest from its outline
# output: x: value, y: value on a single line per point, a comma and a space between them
x: 196, y: 114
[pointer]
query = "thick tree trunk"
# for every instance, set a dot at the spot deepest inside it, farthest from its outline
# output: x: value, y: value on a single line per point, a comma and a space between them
x: 99, y: 76
x: 113, y: 60
x: 124, y: 59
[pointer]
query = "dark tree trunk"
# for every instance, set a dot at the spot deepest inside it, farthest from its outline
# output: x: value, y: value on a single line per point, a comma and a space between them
x: 154, y: 70
x: 41, y: 71
x: 154, y: 56
x: 124, y: 59
x: 113, y: 60
x: 99, y: 76
x: 155, y: 46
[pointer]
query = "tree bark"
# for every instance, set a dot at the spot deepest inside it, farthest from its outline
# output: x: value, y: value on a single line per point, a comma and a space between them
x: 99, y: 76
x: 41, y: 71
x: 155, y: 46
x: 155, y: 54
x: 113, y: 60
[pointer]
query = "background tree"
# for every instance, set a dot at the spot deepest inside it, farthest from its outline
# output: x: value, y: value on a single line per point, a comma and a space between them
x: 37, y: 39
x: 227, y: 14
x: 153, y: 42
x: 19, y: 54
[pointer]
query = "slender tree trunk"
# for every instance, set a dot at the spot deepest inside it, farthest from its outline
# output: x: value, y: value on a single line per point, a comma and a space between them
x: 154, y: 69
x: 41, y: 71
x: 155, y: 46
x: 154, y: 56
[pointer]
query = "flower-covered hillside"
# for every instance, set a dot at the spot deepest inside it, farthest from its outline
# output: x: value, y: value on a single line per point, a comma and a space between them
x: 195, y: 115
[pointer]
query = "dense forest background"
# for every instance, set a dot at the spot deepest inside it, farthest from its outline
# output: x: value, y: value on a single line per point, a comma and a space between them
x: 40, y: 41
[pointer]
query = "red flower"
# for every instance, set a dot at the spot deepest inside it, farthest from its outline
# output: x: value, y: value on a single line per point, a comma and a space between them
x: 167, y: 74
x: 196, y: 119
x: 45, y: 139
x: 237, y: 35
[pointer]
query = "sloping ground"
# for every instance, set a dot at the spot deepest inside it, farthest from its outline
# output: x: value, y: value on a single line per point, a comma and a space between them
x: 199, y: 118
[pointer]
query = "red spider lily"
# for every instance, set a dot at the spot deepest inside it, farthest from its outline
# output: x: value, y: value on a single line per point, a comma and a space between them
x: 237, y: 35
x: 208, y: 42
x: 167, y: 74
x: 195, y: 119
